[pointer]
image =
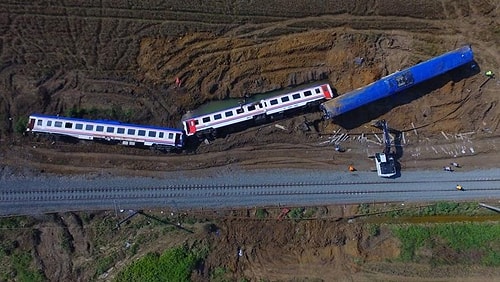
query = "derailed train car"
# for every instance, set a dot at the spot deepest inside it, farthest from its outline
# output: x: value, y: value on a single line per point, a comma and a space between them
x: 161, y: 138
x: 397, y: 82
x: 208, y: 119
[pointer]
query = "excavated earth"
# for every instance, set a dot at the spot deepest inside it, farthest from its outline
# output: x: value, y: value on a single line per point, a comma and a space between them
x: 120, y: 60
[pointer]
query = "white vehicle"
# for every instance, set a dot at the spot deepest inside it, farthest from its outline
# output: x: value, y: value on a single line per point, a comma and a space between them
x: 205, y: 120
x: 385, y: 162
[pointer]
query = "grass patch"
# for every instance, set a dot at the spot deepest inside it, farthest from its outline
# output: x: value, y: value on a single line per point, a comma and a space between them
x: 175, y: 264
x: 467, y: 243
x: 440, y: 208
x: 103, y: 264
x: 22, y: 269
x: 219, y: 274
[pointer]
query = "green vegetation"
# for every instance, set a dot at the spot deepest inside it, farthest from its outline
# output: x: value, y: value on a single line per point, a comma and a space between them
x: 296, y: 213
x: 218, y: 274
x: 440, y: 208
x: 18, y: 267
x: 20, y: 126
x: 452, y: 243
x: 310, y: 212
x: 104, y: 263
x: 16, y: 222
x: 173, y: 265
x: 261, y: 213
x: 374, y: 229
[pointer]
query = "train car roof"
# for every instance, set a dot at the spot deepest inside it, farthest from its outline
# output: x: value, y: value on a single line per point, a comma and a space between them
x: 221, y: 105
x: 107, y: 122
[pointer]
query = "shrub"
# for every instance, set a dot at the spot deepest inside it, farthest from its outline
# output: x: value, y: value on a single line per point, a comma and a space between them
x: 20, y: 126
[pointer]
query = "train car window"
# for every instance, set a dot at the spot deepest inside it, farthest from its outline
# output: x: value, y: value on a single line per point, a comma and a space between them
x: 160, y: 135
x: 228, y: 114
x: 79, y: 126
x: 206, y: 119
x: 141, y: 132
x: 39, y: 122
x: 196, y: 122
x: 49, y: 123
x: 170, y: 136
x: 89, y: 127
x: 285, y: 99
x: 217, y: 116
x: 274, y: 102
x: 99, y: 128
x: 120, y: 130
x: 296, y: 96
x: 239, y: 110
x: 251, y: 107
x: 317, y: 90
x: 68, y: 125
x: 110, y: 129
x: 307, y: 93
x: 131, y: 131
x: 58, y: 124
x: 152, y: 133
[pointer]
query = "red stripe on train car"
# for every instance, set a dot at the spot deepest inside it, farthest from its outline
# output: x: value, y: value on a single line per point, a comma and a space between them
x: 327, y: 94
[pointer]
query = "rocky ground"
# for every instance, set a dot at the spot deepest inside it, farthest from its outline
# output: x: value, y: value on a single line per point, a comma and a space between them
x: 119, y: 61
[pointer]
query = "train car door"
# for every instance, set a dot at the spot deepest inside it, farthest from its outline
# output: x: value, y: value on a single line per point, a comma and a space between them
x: 178, y: 140
x: 31, y: 124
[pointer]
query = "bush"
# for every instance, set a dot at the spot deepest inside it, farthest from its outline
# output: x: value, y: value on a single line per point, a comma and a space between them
x: 296, y: 213
x: 20, y: 126
x: 261, y: 213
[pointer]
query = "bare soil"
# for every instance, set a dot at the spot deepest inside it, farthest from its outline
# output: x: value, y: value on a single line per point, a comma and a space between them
x: 118, y: 60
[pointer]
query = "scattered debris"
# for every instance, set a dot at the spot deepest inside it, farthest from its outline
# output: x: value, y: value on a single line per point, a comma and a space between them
x: 359, y: 61
x: 338, y: 148
x: 444, y: 134
x: 280, y: 126
x: 489, y: 207
x: 283, y: 213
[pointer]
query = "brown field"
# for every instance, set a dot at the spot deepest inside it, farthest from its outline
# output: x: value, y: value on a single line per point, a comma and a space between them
x: 119, y: 60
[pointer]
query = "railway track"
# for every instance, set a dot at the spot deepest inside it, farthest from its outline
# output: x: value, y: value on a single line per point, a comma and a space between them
x: 61, y: 198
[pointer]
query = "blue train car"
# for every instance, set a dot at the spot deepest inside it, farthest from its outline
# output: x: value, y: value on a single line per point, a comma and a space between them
x: 397, y: 82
